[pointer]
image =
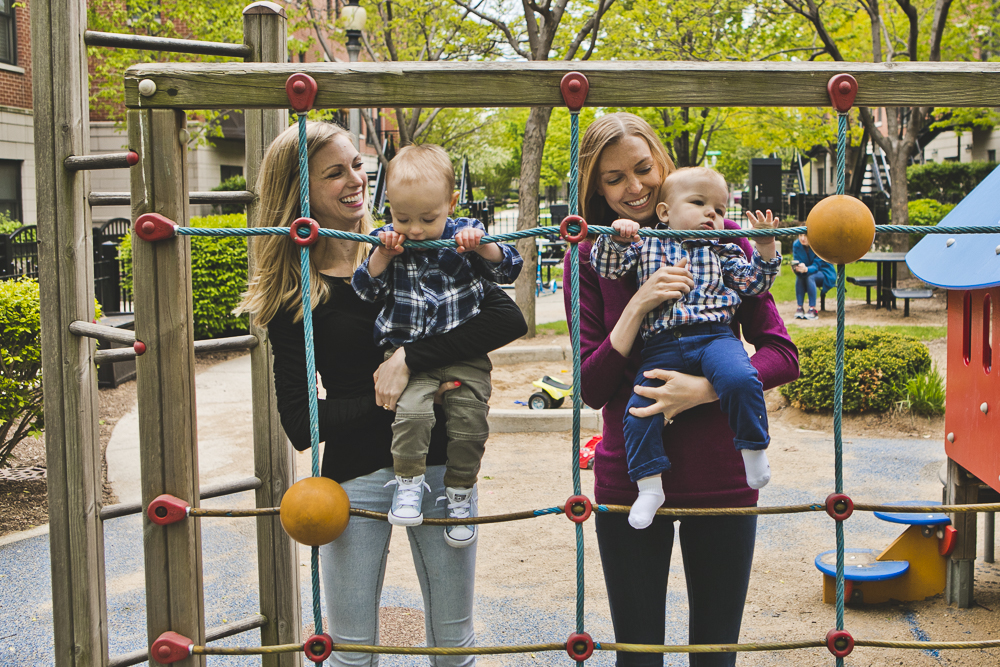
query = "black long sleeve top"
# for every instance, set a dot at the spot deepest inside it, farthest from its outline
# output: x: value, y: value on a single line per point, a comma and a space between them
x: 357, y: 432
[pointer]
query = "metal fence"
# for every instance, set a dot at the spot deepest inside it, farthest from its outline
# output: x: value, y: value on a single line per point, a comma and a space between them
x: 19, y: 258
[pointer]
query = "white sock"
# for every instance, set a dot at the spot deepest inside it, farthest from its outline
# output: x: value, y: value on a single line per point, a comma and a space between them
x: 757, y: 467
x: 650, y: 499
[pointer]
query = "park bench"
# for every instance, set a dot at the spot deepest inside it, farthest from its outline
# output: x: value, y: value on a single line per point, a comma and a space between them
x: 907, y: 294
x: 868, y: 282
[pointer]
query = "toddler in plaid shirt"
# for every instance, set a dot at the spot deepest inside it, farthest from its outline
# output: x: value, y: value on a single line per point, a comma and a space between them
x: 428, y: 292
x: 692, y: 334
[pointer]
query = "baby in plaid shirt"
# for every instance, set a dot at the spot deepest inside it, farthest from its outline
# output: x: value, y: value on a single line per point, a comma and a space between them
x: 429, y: 291
x: 692, y: 334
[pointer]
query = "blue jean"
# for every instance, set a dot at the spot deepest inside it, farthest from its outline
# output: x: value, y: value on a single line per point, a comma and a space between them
x: 353, y: 569
x: 718, y: 554
x: 710, y: 349
x: 807, y: 283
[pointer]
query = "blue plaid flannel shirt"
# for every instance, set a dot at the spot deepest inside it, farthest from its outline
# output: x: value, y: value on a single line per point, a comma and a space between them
x: 721, y: 274
x: 429, y: 292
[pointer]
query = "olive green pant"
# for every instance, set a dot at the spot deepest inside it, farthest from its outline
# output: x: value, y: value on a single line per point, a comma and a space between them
x: 465, y: 409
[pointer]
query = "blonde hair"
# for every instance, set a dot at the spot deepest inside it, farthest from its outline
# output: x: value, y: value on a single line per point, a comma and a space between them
x: 277, y: 277
x: 691, y: 171
x: 416, y: 162
x: 607, y: 131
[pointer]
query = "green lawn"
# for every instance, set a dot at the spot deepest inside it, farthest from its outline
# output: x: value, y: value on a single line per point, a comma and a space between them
x: 918, y: 332
x: 783, y: 288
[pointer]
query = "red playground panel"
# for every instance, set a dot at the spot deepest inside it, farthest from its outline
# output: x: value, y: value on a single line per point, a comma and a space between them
x: 972, y: 418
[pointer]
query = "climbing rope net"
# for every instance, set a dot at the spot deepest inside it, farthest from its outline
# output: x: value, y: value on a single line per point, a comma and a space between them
x: 301, y: 88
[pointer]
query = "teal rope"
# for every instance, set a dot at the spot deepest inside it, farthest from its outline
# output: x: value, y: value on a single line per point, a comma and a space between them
x: 307, y: 325
x: 838, y: 383
x: 573, y: 229
x: 574, y: 156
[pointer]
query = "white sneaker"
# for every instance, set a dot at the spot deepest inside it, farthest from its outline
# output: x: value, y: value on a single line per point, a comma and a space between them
x: 461, y: 505
x: 407, y: 500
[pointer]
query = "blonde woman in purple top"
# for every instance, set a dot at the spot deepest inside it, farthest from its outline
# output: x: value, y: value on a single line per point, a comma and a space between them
x: 622, y: 165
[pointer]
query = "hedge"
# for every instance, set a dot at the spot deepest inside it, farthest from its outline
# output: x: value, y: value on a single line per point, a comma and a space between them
x: 218, y: 276
x: 926, y: 213
x: 946, y: 182
x: 877, y: 366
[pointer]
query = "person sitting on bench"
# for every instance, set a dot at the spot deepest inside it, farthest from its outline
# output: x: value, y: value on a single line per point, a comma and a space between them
x: 811, y: 273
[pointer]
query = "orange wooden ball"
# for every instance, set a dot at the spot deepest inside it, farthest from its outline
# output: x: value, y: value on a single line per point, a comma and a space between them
x: 841, y: 229
x: 315, y: 511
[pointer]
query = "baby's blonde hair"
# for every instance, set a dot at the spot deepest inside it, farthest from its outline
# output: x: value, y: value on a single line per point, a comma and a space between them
x: 417, y: 163
x: 690, y: 171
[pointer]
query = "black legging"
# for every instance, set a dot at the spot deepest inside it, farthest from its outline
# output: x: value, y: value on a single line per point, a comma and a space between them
x: 718, y: 554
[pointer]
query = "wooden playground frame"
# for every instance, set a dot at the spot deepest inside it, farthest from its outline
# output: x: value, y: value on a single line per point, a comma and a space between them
x: 163, y: 320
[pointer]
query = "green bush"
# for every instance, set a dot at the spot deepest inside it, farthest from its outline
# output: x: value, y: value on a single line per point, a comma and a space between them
x: 926, y: 213
x: 21, y: 359
x: 925, y: 393
x: 231, y: 184
x: 877, y: 366
x: 8, y: 224
x: 947, y: 182
x: 218, y: 276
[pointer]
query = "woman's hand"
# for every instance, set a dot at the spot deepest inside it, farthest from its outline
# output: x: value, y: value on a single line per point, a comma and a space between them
x: 668, y: 283
x: 679, y: 392
x: 800, y: 268
x: 391, y: 379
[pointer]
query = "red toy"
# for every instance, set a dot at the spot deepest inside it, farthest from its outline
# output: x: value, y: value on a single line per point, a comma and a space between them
x: 587, y: 452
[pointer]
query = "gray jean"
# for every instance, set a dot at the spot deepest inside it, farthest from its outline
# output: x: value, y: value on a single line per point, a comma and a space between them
x: 465, y: 407
x: 353, y: 569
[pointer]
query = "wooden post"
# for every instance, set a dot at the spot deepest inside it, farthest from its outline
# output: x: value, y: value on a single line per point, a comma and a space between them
x: 168, y: 434
x: 265, y: 32
x: 962, y: 488
x: 66, y: 280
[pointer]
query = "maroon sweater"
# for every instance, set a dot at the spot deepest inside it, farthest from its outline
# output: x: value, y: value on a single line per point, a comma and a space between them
x: 706, y: 469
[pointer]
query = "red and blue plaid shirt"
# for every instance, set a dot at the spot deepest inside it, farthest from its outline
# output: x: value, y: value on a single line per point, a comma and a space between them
x: 721, y: 274
x: 428, y: 292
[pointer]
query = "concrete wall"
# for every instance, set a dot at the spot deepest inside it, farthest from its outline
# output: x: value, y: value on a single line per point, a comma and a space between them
x: 17, y: 142
x: 204, y: 168
x: 971, y: 146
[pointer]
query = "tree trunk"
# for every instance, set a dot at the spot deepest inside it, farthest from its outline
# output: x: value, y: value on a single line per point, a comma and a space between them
x: 898, y: 160
x: 527, y: 210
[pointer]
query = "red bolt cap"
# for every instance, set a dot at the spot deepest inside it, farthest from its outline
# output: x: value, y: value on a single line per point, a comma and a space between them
x: 839, y: 506
x: 132, y: 158
x: 301, y: 90
x: 155, y: 227
x: 842, y: 89
x: 170, y: 647
x: 840, y: 643
x: 574, y: 88
x: 299, y: 224
x: 318, y: 647
x: 573, y: 220
x: 167, y: 509
x: 948, y: 540
x: 139, y: 347
x: 580, y: 646
x: 578, y: 508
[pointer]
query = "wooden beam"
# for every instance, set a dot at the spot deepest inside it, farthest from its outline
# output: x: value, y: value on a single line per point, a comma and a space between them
x: 961, y: 488
x: 168, y: 433
x: 522, y: 84
x: 66, y: 282
x: 265, y: 31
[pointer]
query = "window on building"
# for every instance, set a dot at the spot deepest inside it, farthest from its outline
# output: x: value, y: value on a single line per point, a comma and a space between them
x: 8, y: 33
x: 228, y: 171
x: 991, y: 155
x: 10, y: 189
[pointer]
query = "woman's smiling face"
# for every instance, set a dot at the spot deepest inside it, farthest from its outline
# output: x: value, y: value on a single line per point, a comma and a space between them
x: 338, y: 184
x: 629, y: 179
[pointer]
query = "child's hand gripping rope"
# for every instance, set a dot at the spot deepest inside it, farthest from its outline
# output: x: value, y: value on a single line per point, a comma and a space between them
x: 628, y: 231
x: 392, y: 243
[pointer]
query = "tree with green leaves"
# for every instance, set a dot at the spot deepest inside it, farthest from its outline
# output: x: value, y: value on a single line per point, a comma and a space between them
x: 206, y: 20
x: 866, y: 30
x: 539, y: 31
